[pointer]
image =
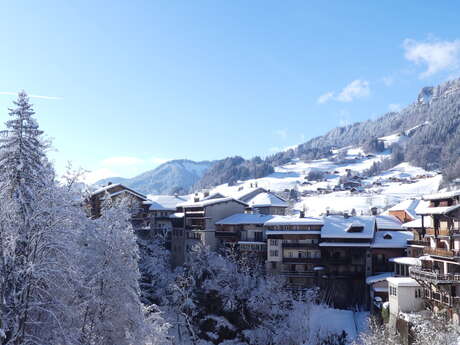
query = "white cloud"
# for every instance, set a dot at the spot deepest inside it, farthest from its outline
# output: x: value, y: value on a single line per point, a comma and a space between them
x: 394, y: 107
x: 283, y: 133
x: 122, y: 160
x: 325, y: 97
x: 9, y: 93
x: 356, y: 89
x: 436, y: 55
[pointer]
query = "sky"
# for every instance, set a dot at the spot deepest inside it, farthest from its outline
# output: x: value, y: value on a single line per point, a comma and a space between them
x: 122, y: 86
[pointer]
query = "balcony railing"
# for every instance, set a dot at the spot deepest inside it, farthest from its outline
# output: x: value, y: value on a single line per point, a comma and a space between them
x: 418, y: 243
x: 299, y: 245
x: 301, y: 260
x: 434, y: 277
x: 298, y: 273
x: 441, y: 252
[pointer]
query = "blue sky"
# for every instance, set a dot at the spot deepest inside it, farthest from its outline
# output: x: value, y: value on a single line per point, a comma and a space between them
x: 132, y: 84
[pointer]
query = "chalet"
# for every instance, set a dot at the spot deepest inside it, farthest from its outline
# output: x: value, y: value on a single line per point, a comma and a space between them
x: 115, y: 192
x: 405, y: 211
x: 439, y: 274
x: 244, y: 231
x: 199, y: 224
x: 162, y: 209
x: 268, y: 203
x: 293, y: 250
x: 346, y: 253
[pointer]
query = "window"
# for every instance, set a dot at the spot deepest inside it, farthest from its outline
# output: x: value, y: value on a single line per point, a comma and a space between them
x: 273, y: 242
x: 273, y: 253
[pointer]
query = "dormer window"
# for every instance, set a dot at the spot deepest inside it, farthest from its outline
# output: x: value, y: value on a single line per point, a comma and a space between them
x: 355, y: 227
x: 387, y: 236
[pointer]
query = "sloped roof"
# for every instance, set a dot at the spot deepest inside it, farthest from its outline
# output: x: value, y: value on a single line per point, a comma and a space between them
x: 408, y: 205
x: 438, y: 210
x: 443, y: 195
x: 267, y: 199
x: 247, y: 194
x: 387, y: 222
x: 378, y: 277
x: 336, y: 226
x: 245, y: 218
x: 391, y: 239
x: 165, y: 202
x: 209, y: 202
x: 293, y: 220
x: 114, y: 185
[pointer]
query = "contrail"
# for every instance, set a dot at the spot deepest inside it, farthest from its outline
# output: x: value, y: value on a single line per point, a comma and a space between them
x: 31, y: 96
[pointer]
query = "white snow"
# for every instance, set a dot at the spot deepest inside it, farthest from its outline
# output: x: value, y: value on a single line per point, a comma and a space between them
x: 293, y: 220
x: 392, y: 239
x: 406, y: 261
x: 378, y: 277
x: 245, y: 218
x: 337, y: 226
x: 403, y: 281
x: 266, y: 200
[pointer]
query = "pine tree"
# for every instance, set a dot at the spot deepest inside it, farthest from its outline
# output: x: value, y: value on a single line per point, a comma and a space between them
x: 22, y: 154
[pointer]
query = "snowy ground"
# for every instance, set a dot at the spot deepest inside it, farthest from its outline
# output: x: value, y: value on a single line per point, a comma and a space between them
x: 383, y: 191
x: 328, y: 320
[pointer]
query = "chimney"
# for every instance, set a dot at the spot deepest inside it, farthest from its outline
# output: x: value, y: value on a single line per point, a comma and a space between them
x: 374, y: 211
x: 109, y: 183
x: 327, y: 213
x: 345, y: 215
x: 302, y: 214
x: 196, y: 198
x: 206, y: 193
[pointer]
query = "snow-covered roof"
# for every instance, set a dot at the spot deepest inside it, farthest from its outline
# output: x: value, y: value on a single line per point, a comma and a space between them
x: 438, y: 210
x: 114, y: 185
x: 293, y: 232
x: 165, y: 202
x: 444, y: 195
x: 392, y: 239
x: 404, y: 260
x: 293, y: 220
x: 209, y: 202
x: 247, y: 193
x: 403, y: 281
x: 339, y: 227
x: 428, y: 222
x: 409, y: 206
x: 378, y: 277
x: 387, y: 222
x: 245, y: 218
x: 267, y: 200
x: 177, y: 215
x: 344, y: 244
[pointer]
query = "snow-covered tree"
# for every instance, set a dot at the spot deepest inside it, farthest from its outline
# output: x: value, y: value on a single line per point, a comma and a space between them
x: 34, y: 254
x: 112, y: 311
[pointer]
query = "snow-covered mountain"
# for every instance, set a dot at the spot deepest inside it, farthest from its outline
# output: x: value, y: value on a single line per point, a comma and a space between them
x: 176, y: 176
x: 344, y: 182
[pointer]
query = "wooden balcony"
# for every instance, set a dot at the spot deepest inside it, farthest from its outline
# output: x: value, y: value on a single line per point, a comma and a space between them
x: 434, y: 277
x: 441, y: 252
x: 418, y: 243
x: 300, y: 245
x: 300, y: 260
x: 307, y: 274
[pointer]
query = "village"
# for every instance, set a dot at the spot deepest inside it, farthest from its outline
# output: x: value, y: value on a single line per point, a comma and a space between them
x: 403, y: 260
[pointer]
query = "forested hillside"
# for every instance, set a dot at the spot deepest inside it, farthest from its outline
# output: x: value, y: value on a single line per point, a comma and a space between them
x: 431, y: 125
